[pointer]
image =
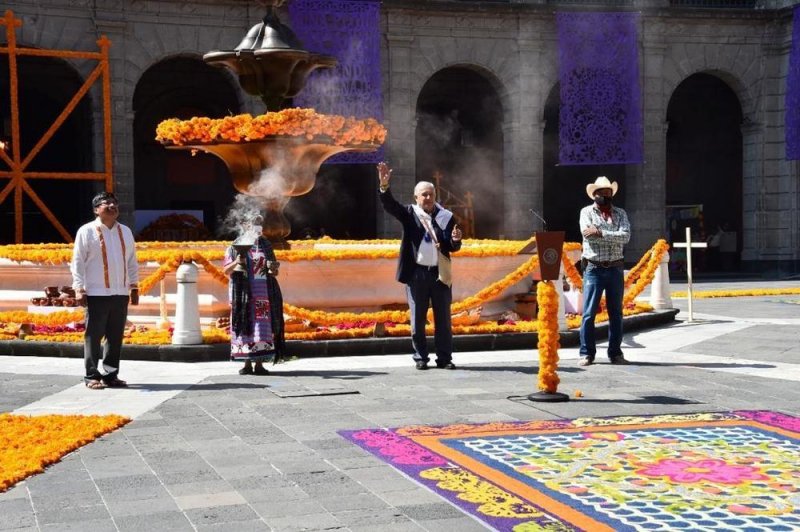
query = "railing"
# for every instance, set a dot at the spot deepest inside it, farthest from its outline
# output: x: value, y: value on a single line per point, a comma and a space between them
x: 716, y: 4
x: 463, y: 209
x: 608, y: 3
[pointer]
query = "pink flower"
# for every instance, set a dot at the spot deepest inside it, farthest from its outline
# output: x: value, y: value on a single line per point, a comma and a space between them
x: 712, y: 470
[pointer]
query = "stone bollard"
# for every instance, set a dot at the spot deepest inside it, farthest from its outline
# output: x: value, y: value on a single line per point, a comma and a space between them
x: 660, y: 293
x: 187, y: 313
x: 562, y: 307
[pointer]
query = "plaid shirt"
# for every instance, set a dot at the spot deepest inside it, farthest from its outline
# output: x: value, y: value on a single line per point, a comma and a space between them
x: 616, y: 233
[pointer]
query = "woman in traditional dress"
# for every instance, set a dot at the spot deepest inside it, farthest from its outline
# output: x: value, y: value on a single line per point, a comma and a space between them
x: 257, y: 328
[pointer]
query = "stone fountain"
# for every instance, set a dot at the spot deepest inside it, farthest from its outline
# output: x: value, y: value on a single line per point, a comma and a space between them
x: 271, y: 63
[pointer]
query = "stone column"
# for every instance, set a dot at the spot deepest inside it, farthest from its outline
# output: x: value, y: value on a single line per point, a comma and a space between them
x: 111, y: 22
x: 400, y: 107
x: 645, y: 192
x: 523, y: 143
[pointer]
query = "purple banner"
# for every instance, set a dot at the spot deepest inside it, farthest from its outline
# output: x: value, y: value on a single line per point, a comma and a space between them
x: 348, y: 30
x: 793, y: 92
x: 600, y: 119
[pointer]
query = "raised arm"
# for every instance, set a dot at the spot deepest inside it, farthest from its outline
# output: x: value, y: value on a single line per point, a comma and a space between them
x: 390, y: 204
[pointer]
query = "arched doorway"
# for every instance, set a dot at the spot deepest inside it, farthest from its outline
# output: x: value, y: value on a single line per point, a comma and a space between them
x: 565, y: 186
x: 704, y: 169
x: 167, y: 180
x: 459, y: 136
x: 46, y: 85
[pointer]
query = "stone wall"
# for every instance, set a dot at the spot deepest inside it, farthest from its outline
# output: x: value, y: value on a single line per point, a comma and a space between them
x: 514, y: 47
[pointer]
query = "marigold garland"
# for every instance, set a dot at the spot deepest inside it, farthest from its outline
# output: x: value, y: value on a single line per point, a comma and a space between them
x: 744, y: 292
x: 403, y: 316
x: 61, y: 317
x: 571, y: 272
x: 548, y: 337
x: 29, y: 444
x: 295, y: 122
x: 648, y: 271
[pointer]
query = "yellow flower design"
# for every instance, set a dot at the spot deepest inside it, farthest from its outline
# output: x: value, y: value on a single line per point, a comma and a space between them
x: 492, y: 501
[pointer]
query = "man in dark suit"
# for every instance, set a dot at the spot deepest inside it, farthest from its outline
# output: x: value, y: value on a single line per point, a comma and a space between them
x: 430, y: 234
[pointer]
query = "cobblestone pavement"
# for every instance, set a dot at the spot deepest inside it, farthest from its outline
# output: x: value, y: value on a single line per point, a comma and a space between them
x: 211, y: 450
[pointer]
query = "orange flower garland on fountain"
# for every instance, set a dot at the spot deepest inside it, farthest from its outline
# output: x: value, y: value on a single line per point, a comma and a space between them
x: 294, y: 122
x: 547, y: 298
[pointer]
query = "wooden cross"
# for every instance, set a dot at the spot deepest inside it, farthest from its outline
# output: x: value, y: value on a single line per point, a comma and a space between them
x: 689, y: 245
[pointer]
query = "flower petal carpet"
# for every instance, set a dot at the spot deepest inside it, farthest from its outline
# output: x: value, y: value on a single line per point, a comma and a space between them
x: 700, y: 471
x: 30, y: 443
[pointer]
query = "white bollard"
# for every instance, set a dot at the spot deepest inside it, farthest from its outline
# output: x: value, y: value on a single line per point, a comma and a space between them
x: 187, y: 312
x: 562, y: 307
x: 660, y: 293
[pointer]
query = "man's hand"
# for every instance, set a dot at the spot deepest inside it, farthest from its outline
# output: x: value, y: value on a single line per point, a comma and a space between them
x: 134, y: 296
x: 456, y: 234
x: 384, y: 175
x: 592, y: 231
x: 80, y: 298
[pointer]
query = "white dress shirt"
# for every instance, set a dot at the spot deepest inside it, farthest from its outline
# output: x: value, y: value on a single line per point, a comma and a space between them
x: 104, y: 260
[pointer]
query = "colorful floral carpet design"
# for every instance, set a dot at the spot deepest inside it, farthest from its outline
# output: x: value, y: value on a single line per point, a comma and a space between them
x: 30, y: 443
x: 702, y: 471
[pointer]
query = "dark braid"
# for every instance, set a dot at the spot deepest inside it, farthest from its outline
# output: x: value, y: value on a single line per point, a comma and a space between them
x: 242, y: 322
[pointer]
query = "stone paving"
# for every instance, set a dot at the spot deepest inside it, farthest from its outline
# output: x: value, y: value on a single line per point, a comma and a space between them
x: 211, y: 450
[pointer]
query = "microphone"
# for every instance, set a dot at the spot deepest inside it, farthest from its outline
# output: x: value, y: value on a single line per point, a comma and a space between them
x: 544, y: 223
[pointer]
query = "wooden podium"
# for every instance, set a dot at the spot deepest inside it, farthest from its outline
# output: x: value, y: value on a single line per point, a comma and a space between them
x: 548, y: 245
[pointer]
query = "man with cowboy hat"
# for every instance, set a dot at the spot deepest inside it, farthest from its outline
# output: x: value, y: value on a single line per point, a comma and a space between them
x: 605, y: 230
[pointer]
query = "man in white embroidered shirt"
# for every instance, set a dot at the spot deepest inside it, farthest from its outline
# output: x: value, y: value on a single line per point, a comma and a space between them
x: 430, y: 234
x: 605, y: 230
x: 105, y: 276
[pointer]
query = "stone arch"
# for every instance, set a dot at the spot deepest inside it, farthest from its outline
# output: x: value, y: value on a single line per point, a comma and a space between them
x: 459, y: 137
x: 498, y: 83
x: 704, y: 154
x: 742, y: 72
x: 180, y: 86
x: 46, y: 85
x: 744, y: 93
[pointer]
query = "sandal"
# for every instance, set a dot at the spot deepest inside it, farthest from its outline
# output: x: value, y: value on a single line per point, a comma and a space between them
x: 260, y: 370
x: 94, y: 384
x: 116, y: 383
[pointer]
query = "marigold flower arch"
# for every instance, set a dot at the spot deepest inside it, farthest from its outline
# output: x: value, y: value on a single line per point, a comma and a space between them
x: 17, y: 176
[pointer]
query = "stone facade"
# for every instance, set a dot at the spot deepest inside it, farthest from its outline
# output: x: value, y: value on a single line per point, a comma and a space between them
x: 514, y: 46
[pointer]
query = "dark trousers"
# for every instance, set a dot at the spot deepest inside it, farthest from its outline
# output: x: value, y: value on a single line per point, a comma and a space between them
x: 597, y: 280
x: 423, y: 291
x: 105, y: 317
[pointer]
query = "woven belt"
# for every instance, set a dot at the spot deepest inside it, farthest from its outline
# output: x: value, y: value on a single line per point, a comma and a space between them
x: 607, y: 263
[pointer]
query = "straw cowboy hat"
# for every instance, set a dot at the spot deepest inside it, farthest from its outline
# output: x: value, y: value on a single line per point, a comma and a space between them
x: 601, y: 182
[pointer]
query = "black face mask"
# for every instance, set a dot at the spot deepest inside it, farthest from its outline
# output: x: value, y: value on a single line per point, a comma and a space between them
x: 602, y: 201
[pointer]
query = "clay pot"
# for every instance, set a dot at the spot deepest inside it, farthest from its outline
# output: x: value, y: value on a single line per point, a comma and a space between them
x: 51, y: 291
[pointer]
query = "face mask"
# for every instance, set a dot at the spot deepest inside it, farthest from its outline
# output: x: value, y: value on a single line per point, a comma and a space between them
x: 602, y: 201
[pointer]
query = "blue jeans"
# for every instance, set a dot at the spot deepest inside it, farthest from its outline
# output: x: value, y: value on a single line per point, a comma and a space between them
x: 597, y: 280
